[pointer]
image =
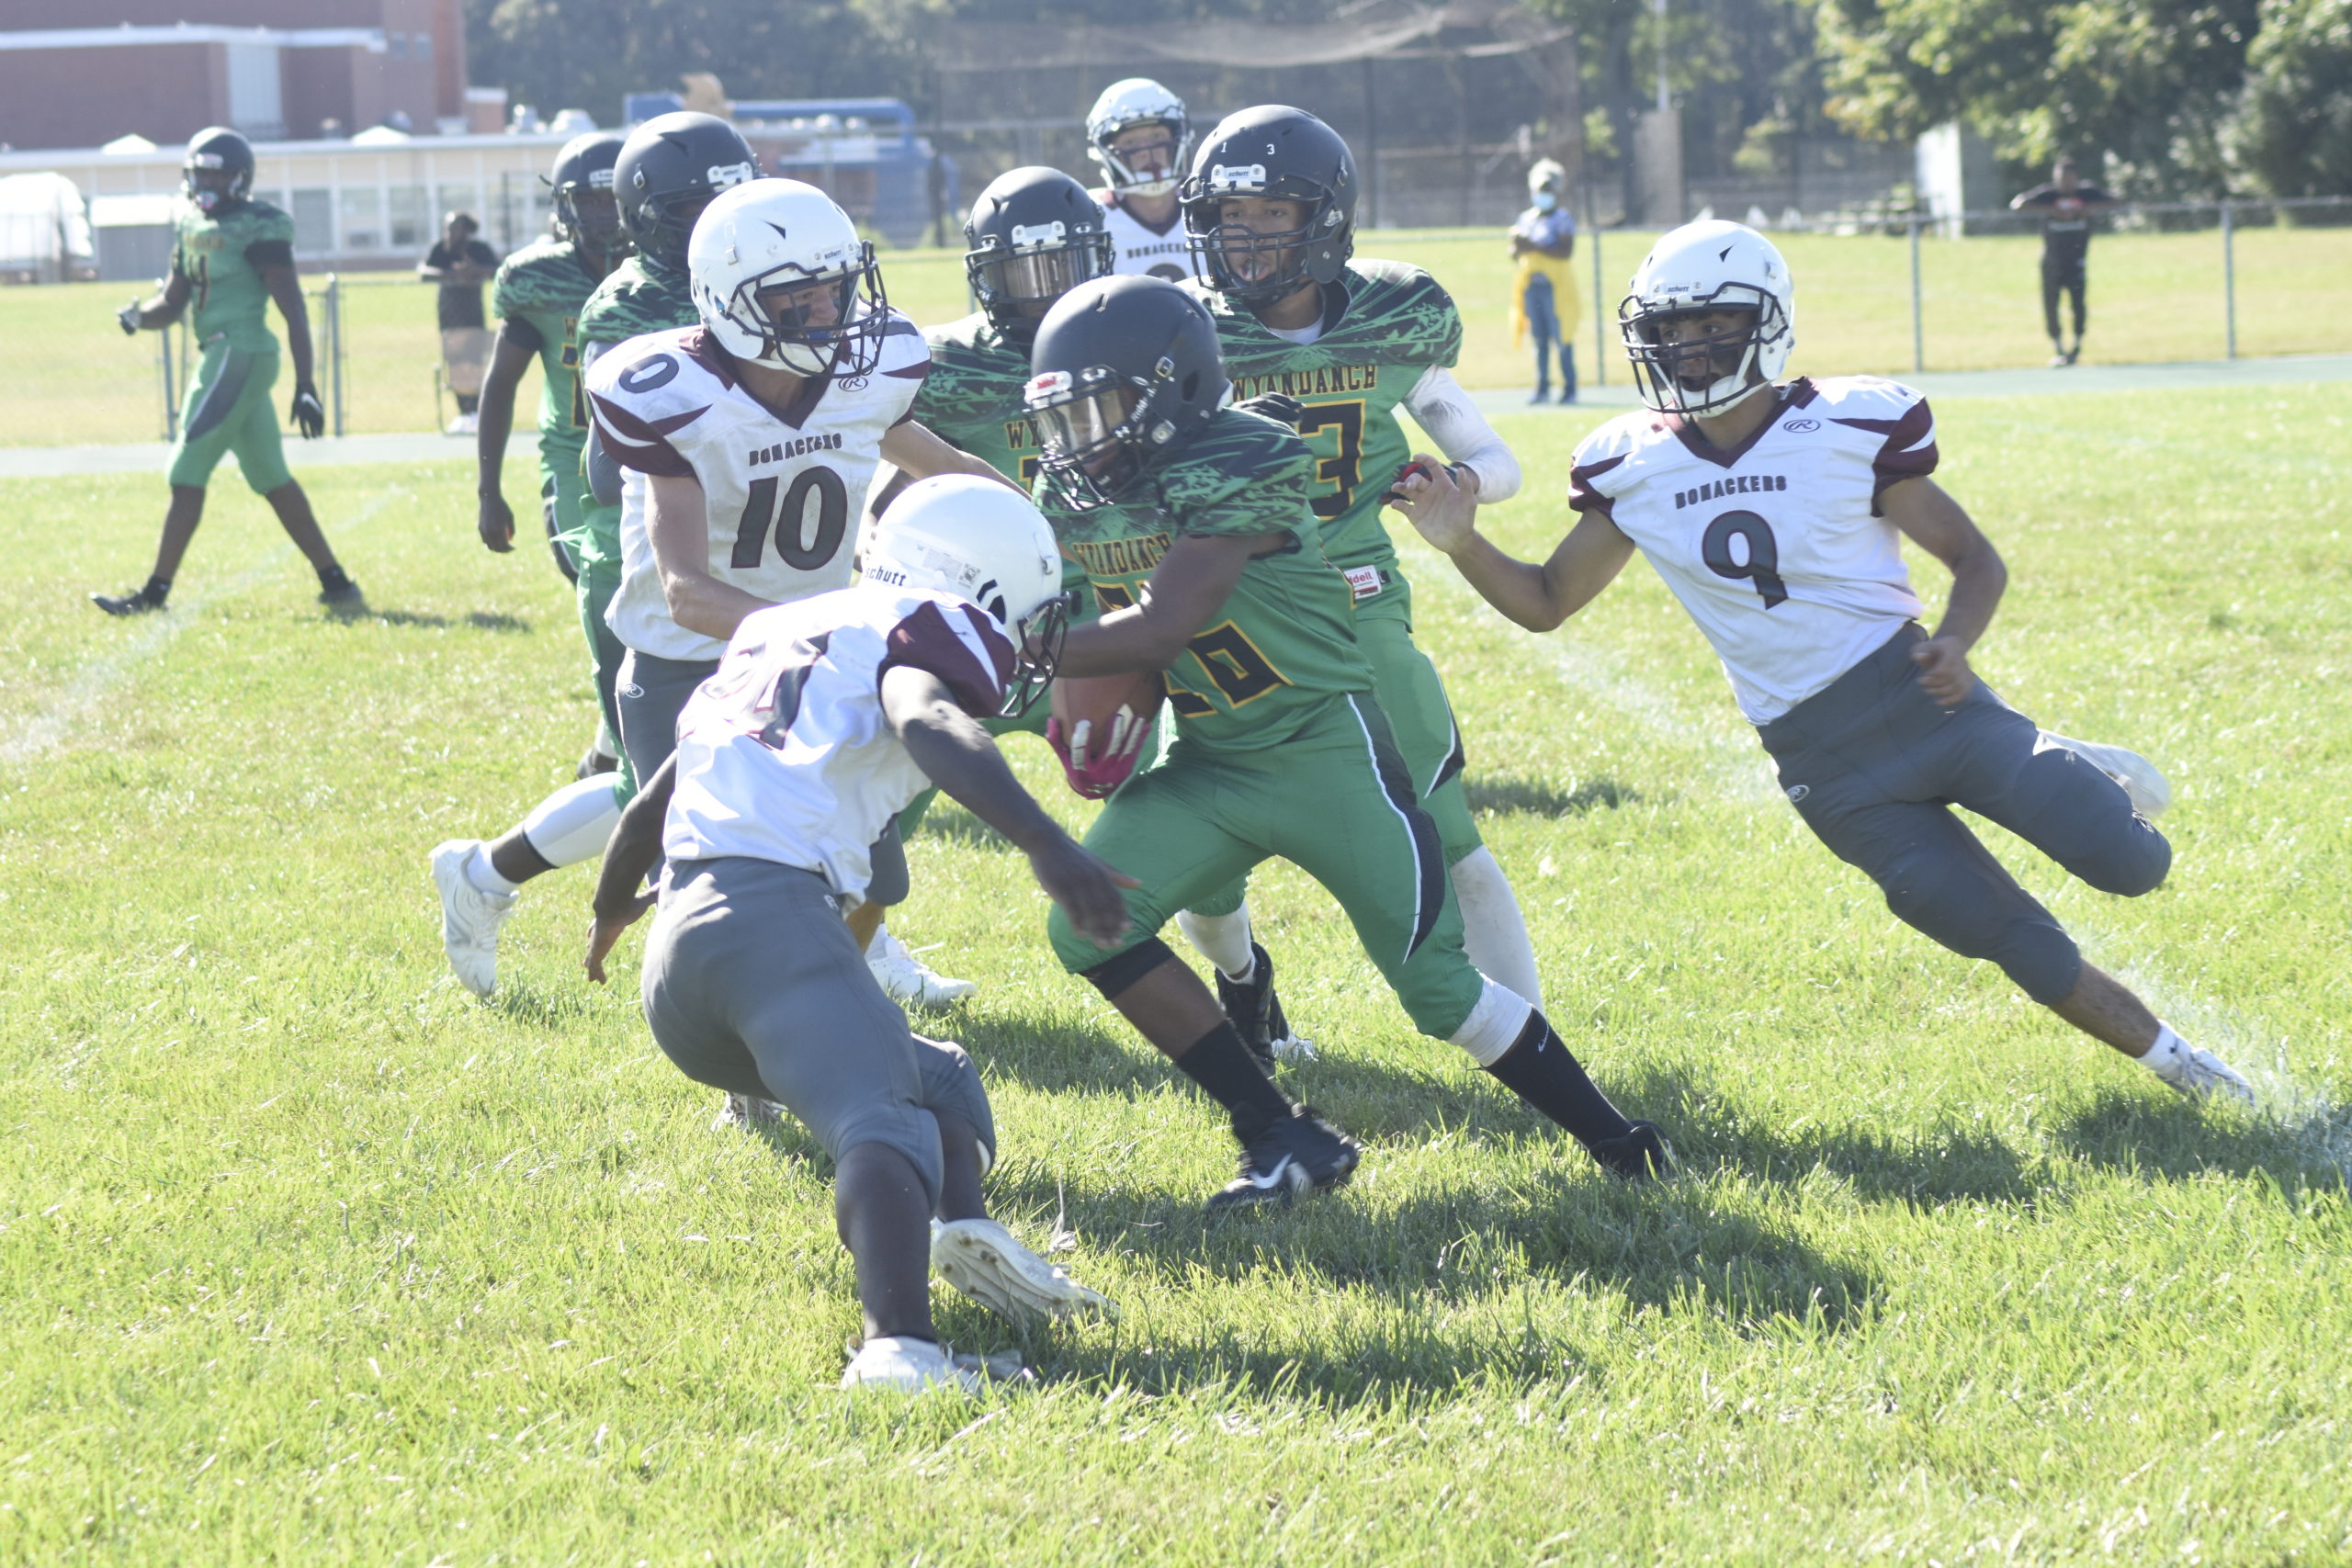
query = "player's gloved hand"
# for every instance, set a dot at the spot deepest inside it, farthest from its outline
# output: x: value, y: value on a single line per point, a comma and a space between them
x: 494, y: 521
x: 128, y: 319
x: 1275, y: 406
x: 1087, y: 889
x: 309, y: 414
x: 1098, y: 764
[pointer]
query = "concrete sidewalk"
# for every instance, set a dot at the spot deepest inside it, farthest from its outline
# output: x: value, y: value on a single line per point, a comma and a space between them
x: 154, y: 456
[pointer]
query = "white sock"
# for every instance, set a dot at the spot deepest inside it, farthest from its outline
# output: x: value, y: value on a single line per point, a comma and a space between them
x: 2167, y: 1055
x: 1494, y: 1026
x: 484, y: 875
x: 879, y: 943
x: 575, y: 822
x: 1223, y: 939
x: 1492, y: 934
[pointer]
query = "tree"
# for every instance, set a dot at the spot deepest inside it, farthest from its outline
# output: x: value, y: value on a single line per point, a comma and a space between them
x: 2145, y: 85
x: 2292, y: 133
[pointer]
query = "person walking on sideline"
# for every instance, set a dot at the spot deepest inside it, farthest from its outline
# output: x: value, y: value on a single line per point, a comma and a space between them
x: 461, y: 264
x: 1542, y: 301
x: 2065, y: 205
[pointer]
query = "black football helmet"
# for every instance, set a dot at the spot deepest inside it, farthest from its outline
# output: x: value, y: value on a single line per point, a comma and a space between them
x: 667, y: 172
x: 1287, y: 153
x: 1034, y: 236
x: 585, y: 168
x: 218, y: 172
x: 1122, y: 373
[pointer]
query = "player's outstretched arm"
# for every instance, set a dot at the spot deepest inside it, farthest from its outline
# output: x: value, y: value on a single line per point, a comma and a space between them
x: 1537, y: 597
x: 1190, y: 586
x: 494, y: 520
x: 635, y: 845
x: 677, y: 528
x: 915, y: 450
x: 949, y: 746
x: 1935, y: 523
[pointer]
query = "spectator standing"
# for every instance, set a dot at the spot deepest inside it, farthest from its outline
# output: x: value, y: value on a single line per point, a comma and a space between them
x: 1542, y: 301
x: 461, y: 264
x: 2065, y: 205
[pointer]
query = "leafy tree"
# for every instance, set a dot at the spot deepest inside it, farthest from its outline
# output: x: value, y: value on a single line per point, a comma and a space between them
x: 2292, y: 133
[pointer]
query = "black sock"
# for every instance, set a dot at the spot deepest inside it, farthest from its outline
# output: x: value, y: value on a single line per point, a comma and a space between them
x: 1541, y: 1070
x: 333, y: 578
x: 158, y: 589
x: 1226, y: 1070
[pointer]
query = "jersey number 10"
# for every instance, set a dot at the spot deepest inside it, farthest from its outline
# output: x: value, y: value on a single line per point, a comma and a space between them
x: 790, y: 521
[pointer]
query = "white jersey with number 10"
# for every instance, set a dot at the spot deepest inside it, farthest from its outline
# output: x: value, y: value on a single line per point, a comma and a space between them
x: 1777, y: 547
x: 783, y: 493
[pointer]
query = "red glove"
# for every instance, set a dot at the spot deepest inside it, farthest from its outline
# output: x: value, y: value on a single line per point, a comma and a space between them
x: 1096, y: 768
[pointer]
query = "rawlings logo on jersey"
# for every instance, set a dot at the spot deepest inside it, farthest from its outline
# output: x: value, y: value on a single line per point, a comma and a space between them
x: 1739, y: 484
x: 1802, y: 426
x: 785, y: 451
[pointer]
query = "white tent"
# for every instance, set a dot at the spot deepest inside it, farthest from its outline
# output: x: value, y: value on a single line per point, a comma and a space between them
x: 44, y: 229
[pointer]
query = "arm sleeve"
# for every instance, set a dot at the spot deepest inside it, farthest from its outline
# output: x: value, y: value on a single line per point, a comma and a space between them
x: 523, y: 332
x: 262, y: 254
x: 1441, y: 407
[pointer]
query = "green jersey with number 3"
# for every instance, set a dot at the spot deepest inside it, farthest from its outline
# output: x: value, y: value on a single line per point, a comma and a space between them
x: 633, y: 300
x: 1385, y: 324
x: 972, y: 399
x: 1283, y: 645
x: 544, y: 286
x: 230, y: 301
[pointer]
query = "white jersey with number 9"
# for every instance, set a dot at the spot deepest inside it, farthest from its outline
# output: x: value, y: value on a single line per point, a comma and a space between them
x: 1777, y: 548
x: 783, y: 493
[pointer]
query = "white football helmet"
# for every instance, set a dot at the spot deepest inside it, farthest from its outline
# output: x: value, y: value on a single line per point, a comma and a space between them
x: 983, y: 543
x: 1138, y: 100
x: 1711, y: 265
x: 781, y: 278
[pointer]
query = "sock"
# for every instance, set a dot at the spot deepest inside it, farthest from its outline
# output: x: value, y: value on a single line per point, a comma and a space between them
x: 1542, y: 1071
x: 2167, y: 1055
x: 333, y: 576
x: 1223, y: 939
x: 1229, y: 1074
x: 158, y: 589
x: 484, y: 875
x: 1493, y: 933
x: 575, y: 822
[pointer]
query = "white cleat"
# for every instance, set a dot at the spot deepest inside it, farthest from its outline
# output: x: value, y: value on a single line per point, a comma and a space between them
x: 469, y: 916
x: 2198, y: 1074
x: 908, y: 980
x: 746, y: 1112
x: 2150, y: 791
x: 899, y: 1364
x: 981, y: 1258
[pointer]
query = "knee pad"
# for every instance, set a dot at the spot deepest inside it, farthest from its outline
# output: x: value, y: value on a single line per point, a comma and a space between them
x: 1972, y: 907
x: 1116, y: 974
x: 574, y: 823
x: 951, y: 1083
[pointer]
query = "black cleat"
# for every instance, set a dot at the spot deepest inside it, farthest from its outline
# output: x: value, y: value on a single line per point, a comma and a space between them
x: 138, y: 602
x: 339, y: 595
x: 1300, y: 1153
x: 1256, y: 1013
x: 1638, y: 1155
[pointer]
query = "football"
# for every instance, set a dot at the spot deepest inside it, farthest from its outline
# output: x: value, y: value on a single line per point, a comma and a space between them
x: 1098, y: 726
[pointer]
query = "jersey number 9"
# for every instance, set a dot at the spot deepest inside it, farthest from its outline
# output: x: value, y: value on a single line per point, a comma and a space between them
x: 803, y: 548
x: 1763, y: 567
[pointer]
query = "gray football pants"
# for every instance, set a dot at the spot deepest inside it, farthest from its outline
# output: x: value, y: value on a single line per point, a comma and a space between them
x: 651, y: 692
x: 1874, y: 767
x: 753, y: 984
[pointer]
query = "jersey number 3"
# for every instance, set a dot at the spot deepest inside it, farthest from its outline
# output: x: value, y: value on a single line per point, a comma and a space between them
x: 803, y: 549
x: 1759, y: 561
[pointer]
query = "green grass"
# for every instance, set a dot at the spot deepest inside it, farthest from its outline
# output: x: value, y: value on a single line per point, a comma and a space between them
x: 2155, y: 298
x: 311, y: 1259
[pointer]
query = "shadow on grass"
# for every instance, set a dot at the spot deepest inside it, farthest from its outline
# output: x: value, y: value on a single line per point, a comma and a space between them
x: 947, y: 821
x: 2172, y: 1139
x: 479, y: 620
x: 1529, y: 797
x: 559, y: 1008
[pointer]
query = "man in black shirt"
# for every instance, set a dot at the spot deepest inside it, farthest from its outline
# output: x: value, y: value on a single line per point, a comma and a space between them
x: 461, y: 264
x: 2067, y: 205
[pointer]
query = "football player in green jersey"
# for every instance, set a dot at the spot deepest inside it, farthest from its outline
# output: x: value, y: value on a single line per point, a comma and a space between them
x: 1194, y: 526
x: 685, y: 160
x: 1270, y: 209
x: 538, y: 300
x: 234, y: 256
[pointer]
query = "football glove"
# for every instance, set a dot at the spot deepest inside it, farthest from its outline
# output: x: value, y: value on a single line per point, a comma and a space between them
x: 1096, y: 766
x: 1275, y: 406
x: 309, y: 414
x: 128, y: 319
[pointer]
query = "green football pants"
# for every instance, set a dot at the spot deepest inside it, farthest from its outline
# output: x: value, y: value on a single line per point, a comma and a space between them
x: 228, y: 411
x: 1335, y: 801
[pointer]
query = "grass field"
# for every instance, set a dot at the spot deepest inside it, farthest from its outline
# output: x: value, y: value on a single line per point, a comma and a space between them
x: 311, y: 1259
x: 2155, y: 298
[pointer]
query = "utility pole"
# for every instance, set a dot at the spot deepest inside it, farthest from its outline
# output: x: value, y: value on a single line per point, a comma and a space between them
x: 1659, y: 7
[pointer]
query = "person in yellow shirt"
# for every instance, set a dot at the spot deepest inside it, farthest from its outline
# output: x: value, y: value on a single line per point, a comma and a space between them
x: 1542, y: 303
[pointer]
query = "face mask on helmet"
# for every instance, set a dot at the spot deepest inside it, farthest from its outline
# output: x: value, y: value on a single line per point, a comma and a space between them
x: 1015, y: 286
x: 1090, y: 426
x: 1254, y: 246
x: 1143, y: 157
x: 1701, y: 359
x: 811, y: 324
x: 212, y: 182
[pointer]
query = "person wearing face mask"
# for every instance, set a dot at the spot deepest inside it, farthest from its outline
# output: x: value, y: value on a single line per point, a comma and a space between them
x: 1542, y: 303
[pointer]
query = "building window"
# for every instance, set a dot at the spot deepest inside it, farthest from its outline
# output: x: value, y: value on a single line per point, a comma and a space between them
x: 313, y: 221
x: 363, y: 218
x: 420, y: 46
x: 397, y: 42
x: 412, y: 219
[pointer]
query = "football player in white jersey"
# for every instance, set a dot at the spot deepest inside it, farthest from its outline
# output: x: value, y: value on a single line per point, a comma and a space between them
x: 827, y: 716
x: 1137, y: 132
x: 1775, y: 512
x: 746, y: 444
